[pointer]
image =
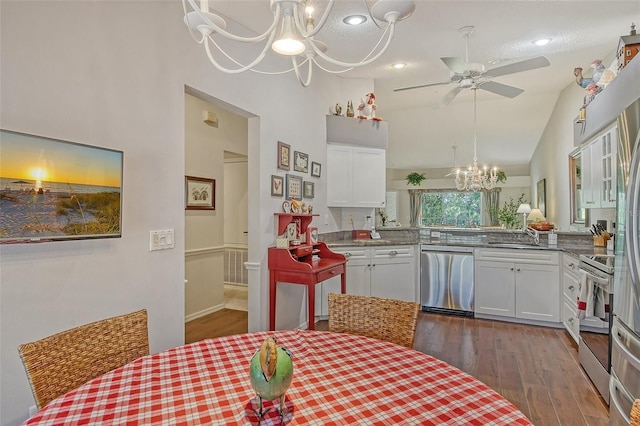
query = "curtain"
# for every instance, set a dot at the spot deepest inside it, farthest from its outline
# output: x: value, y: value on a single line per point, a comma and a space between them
x: 492, y: 204
x: 415, y: 205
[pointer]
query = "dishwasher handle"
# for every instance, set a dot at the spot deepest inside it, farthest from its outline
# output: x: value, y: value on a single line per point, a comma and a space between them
x: 445, y: 249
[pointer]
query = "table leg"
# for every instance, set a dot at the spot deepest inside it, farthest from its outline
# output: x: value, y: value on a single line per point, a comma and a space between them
x: 311, y: 297
x: 272, y: 301
x: 343, y: 282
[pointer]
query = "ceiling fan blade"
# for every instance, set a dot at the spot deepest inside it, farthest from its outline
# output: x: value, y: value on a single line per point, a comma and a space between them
x: 448, y: 97
x: 455, y: 64
x: 500, y: 89
x: 400, y: 89
x: 529, y: 64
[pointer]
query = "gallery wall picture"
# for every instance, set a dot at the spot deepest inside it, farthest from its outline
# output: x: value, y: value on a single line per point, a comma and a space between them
x: 315, y: 169
x: 200, y: 193
x: 293, y: 187
x: 284, y: 156
x: 277, y: 186
x: 54, y: 190
x: 300, y: 162
x: 308, y: 189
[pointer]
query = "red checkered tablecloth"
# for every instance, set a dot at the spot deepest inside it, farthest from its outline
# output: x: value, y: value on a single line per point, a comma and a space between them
x: 338, y: 379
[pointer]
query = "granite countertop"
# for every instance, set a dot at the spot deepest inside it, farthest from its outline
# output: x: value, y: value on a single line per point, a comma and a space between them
x: 574, y: 249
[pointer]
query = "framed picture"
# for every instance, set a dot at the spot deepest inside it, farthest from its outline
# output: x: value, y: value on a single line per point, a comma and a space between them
x: 54, y: 190
x: 308, y: 189
x: 300, y: 162
x: 277, y: 186
x: 312, y: 235
x: 315, y: 169
x: 294, y: 187
x: 542, y: 196
x: 200, y: 193
x: 284, y: 155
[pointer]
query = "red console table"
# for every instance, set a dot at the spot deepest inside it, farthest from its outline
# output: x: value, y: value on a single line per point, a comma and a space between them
x: 296, y: 265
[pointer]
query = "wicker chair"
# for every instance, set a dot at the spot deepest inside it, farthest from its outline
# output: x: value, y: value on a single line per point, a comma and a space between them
x: 635, y: 413
x: 60, y: 363
x: 384, y: 319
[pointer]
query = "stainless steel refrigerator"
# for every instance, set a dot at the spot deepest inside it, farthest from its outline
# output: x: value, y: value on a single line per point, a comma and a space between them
x: 624, y: 384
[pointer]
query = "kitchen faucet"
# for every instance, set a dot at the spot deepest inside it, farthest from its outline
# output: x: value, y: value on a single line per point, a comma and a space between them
x: 533, y: 234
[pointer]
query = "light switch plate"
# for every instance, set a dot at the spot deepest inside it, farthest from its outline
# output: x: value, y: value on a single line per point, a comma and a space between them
x: 161, y: 239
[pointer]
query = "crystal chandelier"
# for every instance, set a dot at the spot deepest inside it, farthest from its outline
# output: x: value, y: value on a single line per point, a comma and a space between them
x: 291, y: 33
x: 475, y: 178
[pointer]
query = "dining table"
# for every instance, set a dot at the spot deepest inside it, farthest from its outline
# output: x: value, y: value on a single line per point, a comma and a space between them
x: 338, y: 379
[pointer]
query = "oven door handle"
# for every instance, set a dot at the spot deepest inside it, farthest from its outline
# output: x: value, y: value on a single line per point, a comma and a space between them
x: 617, y: 334
x: 603, y: 282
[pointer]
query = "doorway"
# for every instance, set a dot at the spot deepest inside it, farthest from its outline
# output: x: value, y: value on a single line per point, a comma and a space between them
x: 216, y: 148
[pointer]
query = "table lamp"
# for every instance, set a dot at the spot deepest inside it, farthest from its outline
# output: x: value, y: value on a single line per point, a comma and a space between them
x: 536, y: 215
x: 524, y: 209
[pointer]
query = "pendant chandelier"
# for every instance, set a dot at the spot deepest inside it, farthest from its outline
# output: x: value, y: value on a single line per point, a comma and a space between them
x: 291, y: 33
x: 475, y: 178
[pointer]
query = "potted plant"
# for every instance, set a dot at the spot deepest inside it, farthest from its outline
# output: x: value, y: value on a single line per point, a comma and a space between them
x: 415, y: 178
x: 508, y: 215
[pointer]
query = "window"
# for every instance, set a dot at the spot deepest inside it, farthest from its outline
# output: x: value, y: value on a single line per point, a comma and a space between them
x: 452, y: 208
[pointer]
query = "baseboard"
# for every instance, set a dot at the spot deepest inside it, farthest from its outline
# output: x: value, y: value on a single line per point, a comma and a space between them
x: 204, y: 312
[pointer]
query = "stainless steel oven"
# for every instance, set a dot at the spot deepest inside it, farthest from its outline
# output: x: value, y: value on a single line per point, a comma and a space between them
x: 594, y: 307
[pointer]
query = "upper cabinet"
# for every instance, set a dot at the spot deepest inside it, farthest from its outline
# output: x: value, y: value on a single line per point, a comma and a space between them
x: 598, y: 161
x: 356, y: 162
x: 356, y: 176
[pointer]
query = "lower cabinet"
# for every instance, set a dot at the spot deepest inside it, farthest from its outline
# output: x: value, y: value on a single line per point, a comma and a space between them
x: 571, y: 291
x: 382, y: 271
x: 522, y: 284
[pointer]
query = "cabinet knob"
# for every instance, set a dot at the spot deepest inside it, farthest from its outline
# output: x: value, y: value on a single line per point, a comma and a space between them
x: 511, y: 268
x: 570, y: 320
x: 393, y: 252
x: 518, y: 269
x: 347, y: 254
x: 571, y: 265
x: 571, y: 287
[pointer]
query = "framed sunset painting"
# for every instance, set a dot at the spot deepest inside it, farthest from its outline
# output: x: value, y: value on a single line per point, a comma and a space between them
x: 53, y: 190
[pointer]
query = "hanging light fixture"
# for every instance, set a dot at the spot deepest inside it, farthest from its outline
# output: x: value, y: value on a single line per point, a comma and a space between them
x: 292, y: 33
x: 474, y: 178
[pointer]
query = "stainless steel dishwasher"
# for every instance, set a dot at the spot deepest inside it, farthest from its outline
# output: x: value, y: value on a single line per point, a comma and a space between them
x: 446, y: 279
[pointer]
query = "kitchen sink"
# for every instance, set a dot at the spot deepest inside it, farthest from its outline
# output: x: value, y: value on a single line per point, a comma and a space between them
x: 512, y: 245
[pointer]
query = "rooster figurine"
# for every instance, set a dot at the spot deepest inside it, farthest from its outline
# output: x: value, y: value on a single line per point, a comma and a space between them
x: 367, y: 108
x: 271, y: 372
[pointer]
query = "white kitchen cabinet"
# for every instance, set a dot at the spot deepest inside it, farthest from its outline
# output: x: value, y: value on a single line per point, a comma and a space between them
x: 521, y: 284
x: 356, y: 176
x: 599, y: 170
x: 382, y: 271
x: 571, y: 291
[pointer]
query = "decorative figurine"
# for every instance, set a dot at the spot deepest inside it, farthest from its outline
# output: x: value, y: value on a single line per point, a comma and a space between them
x: 367, y: 108
x: 350, y: 112
x: 271, y: 373
x: 337, y: 110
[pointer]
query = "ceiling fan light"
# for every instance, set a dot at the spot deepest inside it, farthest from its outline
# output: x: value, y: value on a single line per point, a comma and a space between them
x: 542, y: 41
x: 288, y: 43
x: 398, y: 65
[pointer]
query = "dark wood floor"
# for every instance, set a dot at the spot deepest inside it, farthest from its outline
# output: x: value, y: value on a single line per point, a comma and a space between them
x: 536, y: 368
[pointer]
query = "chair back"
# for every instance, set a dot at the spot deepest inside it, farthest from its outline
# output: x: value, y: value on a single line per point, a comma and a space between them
x: 384, y: 319
x: 635, y: 413
x: 60, y: 363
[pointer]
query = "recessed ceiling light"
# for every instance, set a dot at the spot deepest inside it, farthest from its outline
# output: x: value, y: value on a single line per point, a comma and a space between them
x: 542, y: 41
x: 354, y: 19
x: 398, y: 65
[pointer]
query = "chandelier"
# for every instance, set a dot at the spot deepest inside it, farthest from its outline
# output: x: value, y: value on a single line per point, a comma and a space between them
x: 291, y: 33
x: 475, y: 178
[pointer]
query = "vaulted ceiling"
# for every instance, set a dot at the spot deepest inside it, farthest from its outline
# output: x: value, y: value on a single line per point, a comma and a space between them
x: 508, y: 129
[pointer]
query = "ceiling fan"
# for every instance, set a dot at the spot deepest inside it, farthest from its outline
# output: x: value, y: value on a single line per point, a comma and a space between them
x: 467, y: 74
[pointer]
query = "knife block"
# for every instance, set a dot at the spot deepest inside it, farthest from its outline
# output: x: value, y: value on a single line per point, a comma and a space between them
x: 600, y: 240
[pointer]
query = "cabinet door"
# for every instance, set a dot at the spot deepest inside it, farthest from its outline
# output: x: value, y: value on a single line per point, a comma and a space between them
x: 608, y: 150
x: 591, y: 172
x: 394, y: 280
x: 368, y: 177
x: 358, y: 265
x: 495, y: 288
x: 339, y: 175
x: 570, y: 318
x: 538, y: 292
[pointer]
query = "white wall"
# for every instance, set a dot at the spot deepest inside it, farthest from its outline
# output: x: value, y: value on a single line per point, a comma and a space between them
x: 113, y: 74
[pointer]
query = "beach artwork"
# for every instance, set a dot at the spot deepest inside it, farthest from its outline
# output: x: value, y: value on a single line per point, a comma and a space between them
x: 56, y: 190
